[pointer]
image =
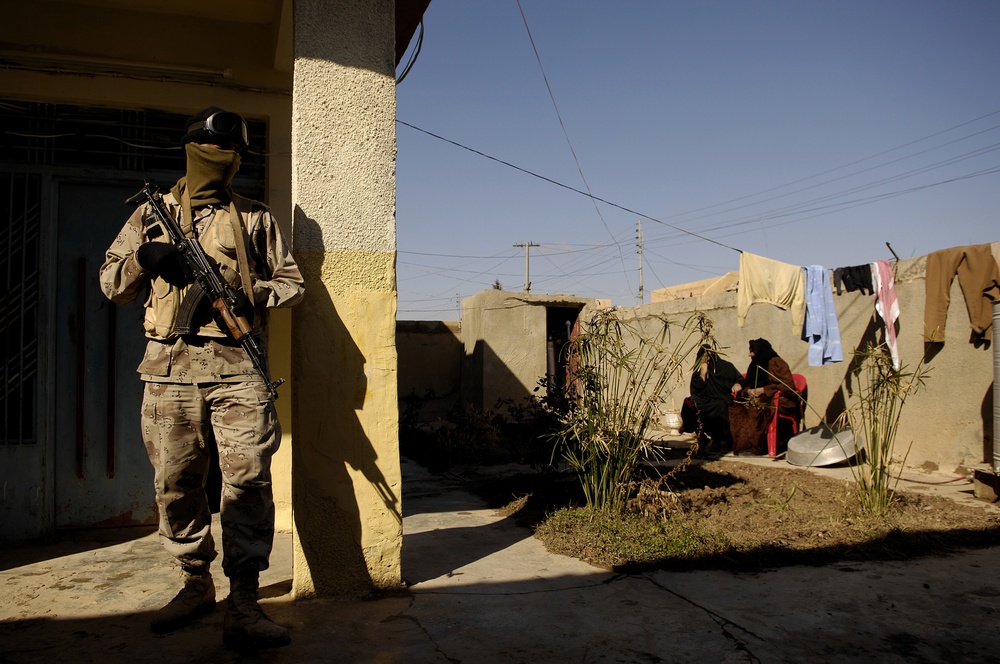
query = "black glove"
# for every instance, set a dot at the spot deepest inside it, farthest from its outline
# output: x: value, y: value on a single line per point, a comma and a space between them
x: 161, y: 259
x: 243, y: 306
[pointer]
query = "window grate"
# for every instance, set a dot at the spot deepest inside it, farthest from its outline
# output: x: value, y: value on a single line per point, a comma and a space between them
x: 20, y: 202
x: 134, y: 141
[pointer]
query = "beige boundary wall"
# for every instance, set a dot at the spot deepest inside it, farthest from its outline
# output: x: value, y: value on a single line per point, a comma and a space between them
x: 949, y: 423
x: 505, y: 334
x: 430, y: 368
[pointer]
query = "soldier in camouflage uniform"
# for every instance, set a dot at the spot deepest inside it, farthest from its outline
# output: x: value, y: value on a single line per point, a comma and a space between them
x: 199, y: 383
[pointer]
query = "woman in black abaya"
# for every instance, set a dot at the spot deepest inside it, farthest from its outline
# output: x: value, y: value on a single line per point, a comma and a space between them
x: 706, y: 411
x: 753, y: 410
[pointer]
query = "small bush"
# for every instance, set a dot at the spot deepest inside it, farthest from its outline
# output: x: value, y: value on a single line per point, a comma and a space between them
x: 511, y: 433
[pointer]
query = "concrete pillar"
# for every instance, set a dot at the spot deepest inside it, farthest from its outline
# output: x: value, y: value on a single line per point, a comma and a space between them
x: 345, y: 454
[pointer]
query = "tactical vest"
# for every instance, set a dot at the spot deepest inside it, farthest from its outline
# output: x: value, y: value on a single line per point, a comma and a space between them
x: 173, y: 311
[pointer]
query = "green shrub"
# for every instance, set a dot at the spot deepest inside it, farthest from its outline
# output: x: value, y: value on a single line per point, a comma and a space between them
x: 622, y: 371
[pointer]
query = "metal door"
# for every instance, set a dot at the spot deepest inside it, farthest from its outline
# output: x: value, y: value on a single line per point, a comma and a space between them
x: 25, y: 477
x: 102, y: 473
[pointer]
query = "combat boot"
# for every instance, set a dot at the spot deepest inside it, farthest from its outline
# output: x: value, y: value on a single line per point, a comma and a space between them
x: 194, y: 600
x: 246, y: 626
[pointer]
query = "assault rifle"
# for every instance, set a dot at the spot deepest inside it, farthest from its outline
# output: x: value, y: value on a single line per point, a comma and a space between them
x: 208, y: 281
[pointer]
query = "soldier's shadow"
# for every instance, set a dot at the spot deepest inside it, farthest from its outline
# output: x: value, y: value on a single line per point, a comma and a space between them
x: 332, y: 451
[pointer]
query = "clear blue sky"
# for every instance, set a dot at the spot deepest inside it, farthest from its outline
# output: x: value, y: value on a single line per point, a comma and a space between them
x: 807, y: 131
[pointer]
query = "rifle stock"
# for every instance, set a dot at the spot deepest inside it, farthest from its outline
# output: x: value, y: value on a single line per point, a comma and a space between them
x: 222, y: 295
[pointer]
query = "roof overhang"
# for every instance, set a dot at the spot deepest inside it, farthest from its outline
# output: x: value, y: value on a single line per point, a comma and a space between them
x: 409, y: 13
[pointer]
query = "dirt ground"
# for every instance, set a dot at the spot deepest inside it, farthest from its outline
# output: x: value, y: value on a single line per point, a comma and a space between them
x: 745, y: 516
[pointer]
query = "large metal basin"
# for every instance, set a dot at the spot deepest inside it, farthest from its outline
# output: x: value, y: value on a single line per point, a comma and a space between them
x: 820, y: 446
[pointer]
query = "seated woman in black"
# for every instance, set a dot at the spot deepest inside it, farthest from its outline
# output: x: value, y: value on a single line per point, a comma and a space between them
x: 707, y: 409
x: 749, y: 416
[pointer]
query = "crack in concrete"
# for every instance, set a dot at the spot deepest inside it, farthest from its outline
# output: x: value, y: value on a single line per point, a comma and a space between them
x: 724, y: 623
x: 402, y: 615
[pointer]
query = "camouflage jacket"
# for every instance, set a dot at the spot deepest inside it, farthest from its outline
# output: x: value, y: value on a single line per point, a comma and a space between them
x: 207, y: 354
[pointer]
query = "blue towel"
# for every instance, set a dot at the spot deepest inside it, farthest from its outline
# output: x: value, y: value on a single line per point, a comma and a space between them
x: 821, y: 330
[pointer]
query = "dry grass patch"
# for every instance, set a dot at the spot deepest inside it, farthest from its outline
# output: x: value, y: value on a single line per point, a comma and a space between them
x: 739, y: 516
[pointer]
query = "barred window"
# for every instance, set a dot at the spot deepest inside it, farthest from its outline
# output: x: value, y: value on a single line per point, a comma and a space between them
x: 20, y: 203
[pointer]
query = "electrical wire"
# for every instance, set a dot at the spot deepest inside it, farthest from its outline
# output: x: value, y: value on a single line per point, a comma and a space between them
x: 854, y: 163
x: 564, y: 186
x: 110, y: 138
x: 576, y: 159
x: 799, y: 210
x: 782, y: 212
x: 414, y: 54
x: 870, y: 185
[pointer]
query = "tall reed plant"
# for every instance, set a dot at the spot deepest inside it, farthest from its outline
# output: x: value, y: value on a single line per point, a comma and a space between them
x: 882, y: 391
x: 622, y: 371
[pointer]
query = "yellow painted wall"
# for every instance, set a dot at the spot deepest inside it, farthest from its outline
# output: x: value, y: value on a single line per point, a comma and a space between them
x: 347, y: 484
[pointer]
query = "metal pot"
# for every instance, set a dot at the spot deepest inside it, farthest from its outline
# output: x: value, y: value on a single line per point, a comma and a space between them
x: 819, y: 446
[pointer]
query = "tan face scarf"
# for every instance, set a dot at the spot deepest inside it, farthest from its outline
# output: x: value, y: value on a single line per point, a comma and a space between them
x: 210, y: 172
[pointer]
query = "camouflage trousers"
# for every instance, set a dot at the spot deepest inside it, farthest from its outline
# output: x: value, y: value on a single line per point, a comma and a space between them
x: 178, y: 422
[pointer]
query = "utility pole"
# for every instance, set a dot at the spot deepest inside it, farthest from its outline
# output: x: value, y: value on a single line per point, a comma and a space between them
x: 527, y: 258
x: 639, y: 237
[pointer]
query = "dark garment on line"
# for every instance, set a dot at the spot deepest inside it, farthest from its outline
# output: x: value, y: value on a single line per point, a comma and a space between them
x: 857, y: 277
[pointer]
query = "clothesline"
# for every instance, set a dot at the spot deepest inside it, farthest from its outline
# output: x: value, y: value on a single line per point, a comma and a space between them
x: 807, y: 294
x: 895, y: 257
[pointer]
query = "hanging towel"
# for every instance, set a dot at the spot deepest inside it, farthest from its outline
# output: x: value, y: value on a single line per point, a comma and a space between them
x: 887, y: 306
x: 766, y: 280
x: 821, y: 329
x: 856, y: 277
x: 976, y: 270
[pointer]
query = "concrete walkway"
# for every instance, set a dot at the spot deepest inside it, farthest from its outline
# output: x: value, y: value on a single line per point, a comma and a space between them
x: 483, y: 590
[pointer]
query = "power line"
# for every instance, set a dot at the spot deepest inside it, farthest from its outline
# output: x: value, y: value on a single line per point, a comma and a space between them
x: 421, y: 253
x: 887, y: 180
x: 801, y: 211
x: 576, y: 159
x: 800, y: 208
x: 853, y: 163
x: 755, y: 217
x: 564, y: 186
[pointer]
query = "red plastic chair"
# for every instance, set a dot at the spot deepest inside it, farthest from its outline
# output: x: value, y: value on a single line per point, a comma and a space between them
x: 802, y: 393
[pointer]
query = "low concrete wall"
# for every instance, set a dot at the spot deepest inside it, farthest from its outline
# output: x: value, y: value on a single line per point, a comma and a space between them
x: 505, y: 335
x: 430, y: 368
x: 949, y: 423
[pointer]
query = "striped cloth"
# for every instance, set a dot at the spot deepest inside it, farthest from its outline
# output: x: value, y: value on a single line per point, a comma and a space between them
x: 887, y: 306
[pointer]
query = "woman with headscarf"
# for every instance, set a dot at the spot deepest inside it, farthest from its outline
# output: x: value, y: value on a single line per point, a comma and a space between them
x: 753, y: 408
x: 706, y: 411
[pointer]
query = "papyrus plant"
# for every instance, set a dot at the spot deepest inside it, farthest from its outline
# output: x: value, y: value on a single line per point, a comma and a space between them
x: 881, y: 394
x: 622, y: 369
